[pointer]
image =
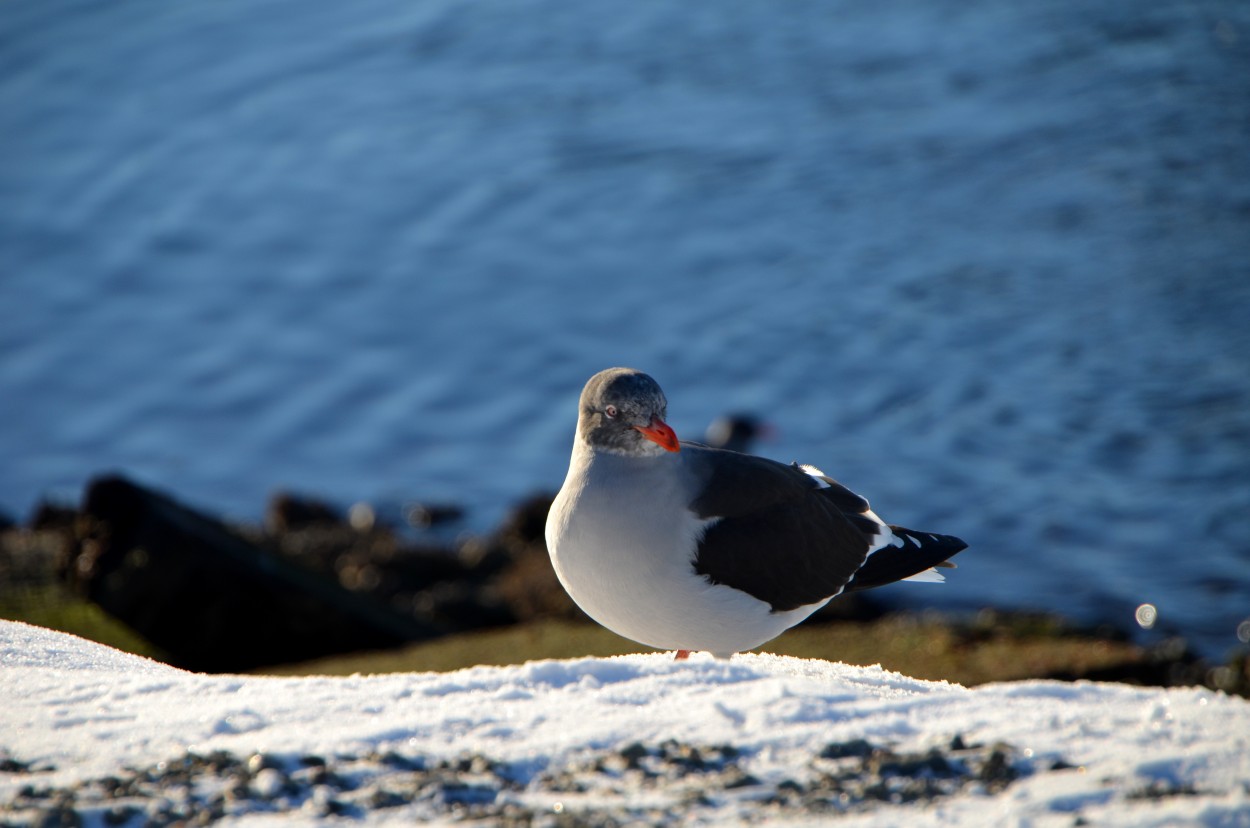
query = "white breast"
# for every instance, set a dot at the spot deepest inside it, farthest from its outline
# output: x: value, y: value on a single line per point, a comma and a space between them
x: 622, y: 542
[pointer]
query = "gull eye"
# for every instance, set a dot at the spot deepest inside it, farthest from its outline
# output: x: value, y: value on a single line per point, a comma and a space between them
x: 610, y: 411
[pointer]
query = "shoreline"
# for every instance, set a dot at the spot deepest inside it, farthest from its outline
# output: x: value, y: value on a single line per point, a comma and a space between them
x: 135, y: 569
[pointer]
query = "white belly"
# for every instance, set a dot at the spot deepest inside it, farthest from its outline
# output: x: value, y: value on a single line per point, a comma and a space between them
x: 623, y: 548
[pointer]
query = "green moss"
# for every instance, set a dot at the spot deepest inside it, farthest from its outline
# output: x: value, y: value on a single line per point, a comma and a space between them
x: 52, y: 606
x: 509, y: 645
x: 928, y: 649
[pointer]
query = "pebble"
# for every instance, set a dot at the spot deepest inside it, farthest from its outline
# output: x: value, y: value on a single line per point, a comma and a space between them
x: 634, y: 783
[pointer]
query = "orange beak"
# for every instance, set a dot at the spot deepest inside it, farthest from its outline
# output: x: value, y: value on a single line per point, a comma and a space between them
x: 660, y: 434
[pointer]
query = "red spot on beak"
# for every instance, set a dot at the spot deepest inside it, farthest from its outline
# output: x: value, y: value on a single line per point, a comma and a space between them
x: 660, y: 434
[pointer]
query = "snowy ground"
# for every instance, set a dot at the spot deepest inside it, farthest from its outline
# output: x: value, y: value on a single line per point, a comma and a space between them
x: 642, y: 735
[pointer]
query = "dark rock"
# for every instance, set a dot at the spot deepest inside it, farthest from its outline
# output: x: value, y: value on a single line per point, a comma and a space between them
x: 383, y: 799
x: 633, y: 754
x: 53, y: 516
x: 736, y: 778
x: 10, y: 765
x: 1168, y: 664
x: 211, y: 599
x: 463, y: 605
x: 932, y: 764
x: 427, y: 582
x: 997, y: 771
x: 1158, y: 789
x: 840, y: 750
x: 288, y: 511
x: 428, y: 515
x: 33, y: 558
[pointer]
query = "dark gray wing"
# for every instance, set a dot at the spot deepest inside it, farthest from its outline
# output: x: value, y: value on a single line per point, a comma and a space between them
x: 780, y: 536
x: 908, y: 553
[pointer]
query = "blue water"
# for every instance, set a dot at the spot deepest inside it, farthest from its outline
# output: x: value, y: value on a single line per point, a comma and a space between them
x: 985, y: 263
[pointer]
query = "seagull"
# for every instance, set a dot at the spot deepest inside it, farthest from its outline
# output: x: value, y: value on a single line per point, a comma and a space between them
x: 680, y: 546
x: 735, y: 432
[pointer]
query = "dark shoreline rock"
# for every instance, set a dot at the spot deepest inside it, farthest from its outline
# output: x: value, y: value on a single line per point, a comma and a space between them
x: 207, y: 596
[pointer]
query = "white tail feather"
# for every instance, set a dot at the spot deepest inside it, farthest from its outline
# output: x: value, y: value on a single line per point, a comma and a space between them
x: 928, y: 576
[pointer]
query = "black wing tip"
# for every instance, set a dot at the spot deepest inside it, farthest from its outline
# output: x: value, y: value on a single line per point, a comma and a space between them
x: 930, y: 541
x: 920, y: 551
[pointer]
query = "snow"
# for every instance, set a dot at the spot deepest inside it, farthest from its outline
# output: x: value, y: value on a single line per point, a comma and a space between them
x: 88, y: 711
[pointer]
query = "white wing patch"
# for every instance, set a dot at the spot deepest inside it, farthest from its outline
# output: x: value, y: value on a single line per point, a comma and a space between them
x: 928, y: 576
x: 884, y: 536
x: 816, y: 474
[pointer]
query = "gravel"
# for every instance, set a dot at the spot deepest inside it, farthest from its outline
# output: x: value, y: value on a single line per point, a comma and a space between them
x: 636, y: 783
